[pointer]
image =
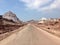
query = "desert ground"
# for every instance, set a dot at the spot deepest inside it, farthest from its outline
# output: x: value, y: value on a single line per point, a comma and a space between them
x: 31, y: 35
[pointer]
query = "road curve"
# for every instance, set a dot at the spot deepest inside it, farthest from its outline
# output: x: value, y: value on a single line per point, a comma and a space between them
x: 30, y: 35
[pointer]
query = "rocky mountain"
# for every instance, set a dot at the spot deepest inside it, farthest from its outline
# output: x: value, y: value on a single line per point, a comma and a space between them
x: 11, y: 16
x: 9, y: 22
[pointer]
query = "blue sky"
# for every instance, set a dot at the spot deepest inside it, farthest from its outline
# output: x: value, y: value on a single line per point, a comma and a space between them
x: 31, y: 9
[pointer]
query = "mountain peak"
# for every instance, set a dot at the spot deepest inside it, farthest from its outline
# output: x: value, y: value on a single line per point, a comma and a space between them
x: 10, y: 13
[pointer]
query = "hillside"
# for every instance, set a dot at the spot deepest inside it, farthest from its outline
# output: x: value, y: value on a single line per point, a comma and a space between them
x: 51, y: 26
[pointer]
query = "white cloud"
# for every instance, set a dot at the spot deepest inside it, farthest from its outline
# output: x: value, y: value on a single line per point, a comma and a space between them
x: 42, y: 4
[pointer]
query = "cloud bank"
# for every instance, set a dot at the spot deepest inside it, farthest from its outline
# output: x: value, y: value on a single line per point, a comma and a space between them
x: 41, y: 4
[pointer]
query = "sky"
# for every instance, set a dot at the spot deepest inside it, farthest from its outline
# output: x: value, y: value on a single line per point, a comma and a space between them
x: 31, y: 9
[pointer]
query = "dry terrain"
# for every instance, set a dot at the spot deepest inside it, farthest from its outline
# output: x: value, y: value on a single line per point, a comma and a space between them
x: 6, y: 30
x: 51, y: 27
x: 31, y: 35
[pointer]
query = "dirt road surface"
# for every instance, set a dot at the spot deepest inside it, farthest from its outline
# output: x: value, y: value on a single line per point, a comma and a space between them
x: 31, y: 35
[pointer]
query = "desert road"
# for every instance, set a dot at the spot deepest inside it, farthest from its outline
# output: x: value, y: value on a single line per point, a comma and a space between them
x: 31, y: 35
